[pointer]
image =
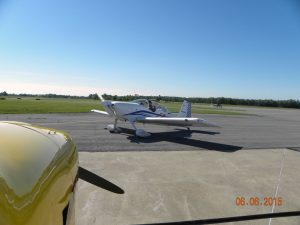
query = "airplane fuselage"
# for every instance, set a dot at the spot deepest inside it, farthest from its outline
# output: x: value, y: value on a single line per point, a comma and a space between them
x: 131, y: 111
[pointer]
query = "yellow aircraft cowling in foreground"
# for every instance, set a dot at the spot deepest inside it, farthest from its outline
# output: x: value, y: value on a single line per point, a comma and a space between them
x: 38, y: 175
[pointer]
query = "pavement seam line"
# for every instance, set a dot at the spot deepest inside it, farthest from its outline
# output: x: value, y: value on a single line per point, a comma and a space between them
x: 278, y: 183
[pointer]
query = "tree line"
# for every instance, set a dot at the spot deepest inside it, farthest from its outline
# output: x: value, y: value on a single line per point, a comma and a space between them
x: 4, y: 93
x: 291, y: 103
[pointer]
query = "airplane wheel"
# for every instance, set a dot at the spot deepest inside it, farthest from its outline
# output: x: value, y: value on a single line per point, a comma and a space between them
x: 111, y: 129
x: 141, y: 133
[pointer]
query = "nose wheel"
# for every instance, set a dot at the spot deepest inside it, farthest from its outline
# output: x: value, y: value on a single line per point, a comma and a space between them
x: 112, y: 128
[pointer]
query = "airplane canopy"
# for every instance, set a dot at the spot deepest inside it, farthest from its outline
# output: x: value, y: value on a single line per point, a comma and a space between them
x: 143, y: 102
x: 150, y: 104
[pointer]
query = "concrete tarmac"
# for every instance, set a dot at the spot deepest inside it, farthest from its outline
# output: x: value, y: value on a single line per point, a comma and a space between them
x: 189, y: 185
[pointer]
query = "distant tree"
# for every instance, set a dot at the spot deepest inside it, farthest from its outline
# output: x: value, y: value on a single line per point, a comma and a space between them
x: 94, y: 96
x: 158, y: 98
x: 4, y: 93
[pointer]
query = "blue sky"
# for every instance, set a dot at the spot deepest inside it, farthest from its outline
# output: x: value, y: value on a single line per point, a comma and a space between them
x: 232, y: 48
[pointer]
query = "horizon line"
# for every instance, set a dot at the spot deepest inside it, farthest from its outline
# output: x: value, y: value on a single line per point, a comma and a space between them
x: 144, y: 95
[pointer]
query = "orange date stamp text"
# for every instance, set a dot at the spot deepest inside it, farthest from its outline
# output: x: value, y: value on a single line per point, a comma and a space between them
x: 258, y: 201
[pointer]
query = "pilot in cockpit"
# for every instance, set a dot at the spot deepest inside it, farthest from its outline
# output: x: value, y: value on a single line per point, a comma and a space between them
x: 151, y: 106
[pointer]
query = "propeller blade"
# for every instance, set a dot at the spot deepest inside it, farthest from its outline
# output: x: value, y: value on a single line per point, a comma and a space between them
x: 101, y: 98
x: 94, y: 179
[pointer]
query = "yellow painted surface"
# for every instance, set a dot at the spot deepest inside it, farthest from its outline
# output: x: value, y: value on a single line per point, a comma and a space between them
x: 38, y: 168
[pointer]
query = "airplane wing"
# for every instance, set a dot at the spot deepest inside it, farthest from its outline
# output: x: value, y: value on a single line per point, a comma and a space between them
x: 99, y: 111
x: 177, y: 121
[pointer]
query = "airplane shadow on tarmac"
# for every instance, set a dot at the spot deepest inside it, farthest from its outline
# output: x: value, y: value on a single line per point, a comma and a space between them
x: 181, y: 136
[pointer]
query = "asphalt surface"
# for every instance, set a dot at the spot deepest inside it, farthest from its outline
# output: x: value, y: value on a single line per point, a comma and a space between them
x: 266, y: 128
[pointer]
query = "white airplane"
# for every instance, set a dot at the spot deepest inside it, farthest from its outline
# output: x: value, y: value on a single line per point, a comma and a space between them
x: 149, y: 111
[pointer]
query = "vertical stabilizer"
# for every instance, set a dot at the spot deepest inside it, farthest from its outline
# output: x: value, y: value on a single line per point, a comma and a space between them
x: 186, y: 109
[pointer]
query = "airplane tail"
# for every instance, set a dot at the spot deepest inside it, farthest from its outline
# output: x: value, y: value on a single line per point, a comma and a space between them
x: 186, y: 109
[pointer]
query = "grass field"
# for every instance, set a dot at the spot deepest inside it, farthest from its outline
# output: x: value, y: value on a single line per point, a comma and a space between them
x: 12, y: 105
x: 46, y: 105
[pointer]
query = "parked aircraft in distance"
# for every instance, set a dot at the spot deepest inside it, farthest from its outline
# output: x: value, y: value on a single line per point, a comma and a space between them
x: 149, y: 111
x: 218, y: 105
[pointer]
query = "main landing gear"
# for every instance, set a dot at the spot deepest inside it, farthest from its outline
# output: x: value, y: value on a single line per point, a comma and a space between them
x: 140, y: 132
x: 112, y: 128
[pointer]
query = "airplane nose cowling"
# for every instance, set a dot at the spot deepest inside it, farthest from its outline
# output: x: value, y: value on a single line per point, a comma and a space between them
x: 38, y: 173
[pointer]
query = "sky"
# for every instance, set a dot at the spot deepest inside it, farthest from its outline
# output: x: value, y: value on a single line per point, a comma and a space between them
x: 201, y: 48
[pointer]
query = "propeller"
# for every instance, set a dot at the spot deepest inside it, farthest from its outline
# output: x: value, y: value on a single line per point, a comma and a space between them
x: 94, y: 179
x: 101, y: 98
